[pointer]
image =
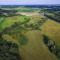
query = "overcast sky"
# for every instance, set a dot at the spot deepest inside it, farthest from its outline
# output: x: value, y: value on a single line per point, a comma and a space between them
x: 22, y: 2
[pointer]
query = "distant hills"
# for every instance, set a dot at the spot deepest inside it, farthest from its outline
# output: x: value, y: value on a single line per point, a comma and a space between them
x: 30, y: 6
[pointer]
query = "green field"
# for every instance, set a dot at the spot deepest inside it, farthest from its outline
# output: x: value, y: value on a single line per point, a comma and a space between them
x: 27, y: 32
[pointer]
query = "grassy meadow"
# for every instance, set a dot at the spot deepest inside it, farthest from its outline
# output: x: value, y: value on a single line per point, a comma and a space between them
x: 27, y: 32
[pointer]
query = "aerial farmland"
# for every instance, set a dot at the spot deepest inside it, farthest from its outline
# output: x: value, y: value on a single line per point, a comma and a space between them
x: 28, y: 33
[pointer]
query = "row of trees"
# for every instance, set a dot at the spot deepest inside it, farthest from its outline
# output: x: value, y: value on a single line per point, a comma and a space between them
x: 24, y: 25
x: 55, y: 17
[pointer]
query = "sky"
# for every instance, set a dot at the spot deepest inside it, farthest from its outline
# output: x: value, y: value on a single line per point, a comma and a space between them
x: 28, y: 2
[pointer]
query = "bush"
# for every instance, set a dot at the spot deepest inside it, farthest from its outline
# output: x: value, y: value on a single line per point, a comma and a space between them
x: 9, y: 51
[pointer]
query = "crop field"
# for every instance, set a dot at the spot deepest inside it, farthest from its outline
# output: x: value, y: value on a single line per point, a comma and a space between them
x: 27, y: 30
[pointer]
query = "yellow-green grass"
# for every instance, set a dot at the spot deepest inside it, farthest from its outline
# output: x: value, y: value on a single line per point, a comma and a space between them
x: 52, y: 30
x: 35, y: 48
x: 8, y: 21
x: 24, y: 9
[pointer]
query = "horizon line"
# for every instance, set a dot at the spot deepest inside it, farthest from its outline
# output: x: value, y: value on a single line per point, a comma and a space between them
x: 29, y: 4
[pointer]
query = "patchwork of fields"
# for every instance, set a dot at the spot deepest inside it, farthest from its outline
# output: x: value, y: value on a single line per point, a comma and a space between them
x: 27, y: 30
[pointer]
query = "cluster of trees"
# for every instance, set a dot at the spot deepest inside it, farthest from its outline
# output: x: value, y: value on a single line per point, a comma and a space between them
x: 9, y: 51
x: 15, y: 26
x: 4, y: 12
x: 51, y: 45
x: 23, y: 39
x: 36, y: 25
x: 55, y: 17
x: 24, y: 25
